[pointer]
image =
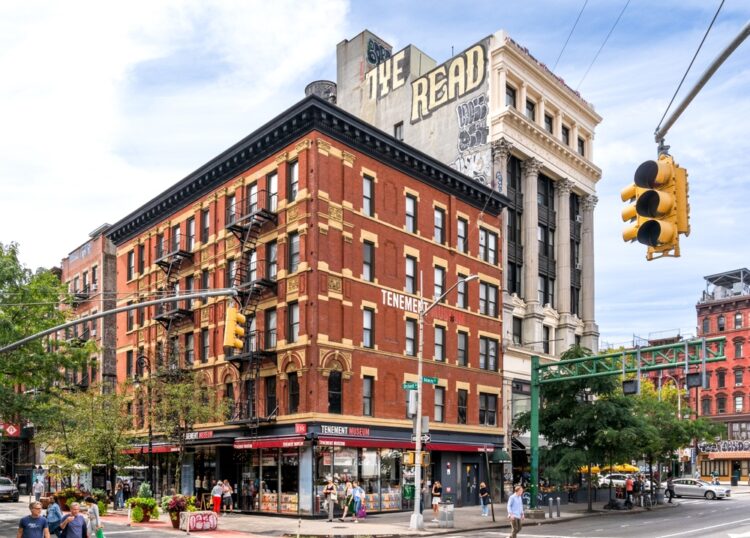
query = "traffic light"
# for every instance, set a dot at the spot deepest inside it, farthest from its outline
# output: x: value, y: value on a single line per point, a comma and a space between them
x: 234, y: 330
x: 660, y: 209
x: 410, y: 457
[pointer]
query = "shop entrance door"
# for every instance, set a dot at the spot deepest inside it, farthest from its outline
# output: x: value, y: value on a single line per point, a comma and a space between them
x: 471, y: 484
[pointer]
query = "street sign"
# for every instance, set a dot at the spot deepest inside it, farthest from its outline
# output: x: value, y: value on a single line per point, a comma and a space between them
x: 409, y: 385
x: 430, y: 380
x: 426, y: 437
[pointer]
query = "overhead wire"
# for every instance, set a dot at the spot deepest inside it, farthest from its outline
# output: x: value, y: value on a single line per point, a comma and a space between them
x: 603, y: 43
x: 570, y: 34
x: 671, y: 101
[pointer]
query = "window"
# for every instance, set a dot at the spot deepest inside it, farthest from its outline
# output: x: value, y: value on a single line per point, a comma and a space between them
x: 85, y: 279
x: 141, y: 263
x: 463, y: 397
x: 514, y: 278
x: 548, y: 123
x: 251, y: 193
x: 707, y: 384
x: 488, y: 246
x: 293, y: 390
x: 738, y: 350
x: 205, y: 279
x: 411, y: 214
x: 231, y: 209
x: 129, y: 363
x: 95, y: 273
x: 517, y: 330
x: 706, y: 325
x: 546, y: 290
x: 439, y: 343
x: 530, y: 110
x: 566, y: 135
x: 272, y: 264
x: 334, y: 392
x: 462, y: 351
x: 462, y: 300
x: 368, y: 327
x: 439, y: 231
x: 190, y: 240
x: 205, y: 225
x: 488, y: 354
x: 131, y: 317
x: 411, y: 337
x: 270, y: 329
x: 231, y: 272
x: 398, y: 131
x: 292, y: 322
x: 462, y: 230
x: 368, y: 201
x: 411, y: 274
x: 705, y: 407
x: 176, y: 238
x: 487, y: 409
x: 581, y: 147
x: 738, y: 378
x: 721, y: 323
x: 488, y: 299
x: 131, y: 266
x: 293, y: 251
x: 738, y: 320
x: 721, y: 405
x: 368, y: 384
x: 368, y: 261
x: 271, y: 405
x: 545, y: 339
x: 292, y: 182
x: 439, y: 283
x: 272, y: 191
x: 205, y: 345
x: 546, y: 238
x: 510, y: 96
x: 189, y: 288
x: 160, y: 246
x: 738, y: 404
x: 189, y: 349
x: 439, y: 404
x: 720, y: 379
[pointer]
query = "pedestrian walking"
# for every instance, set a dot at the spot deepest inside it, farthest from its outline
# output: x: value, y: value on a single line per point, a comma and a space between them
x: 329, y: 497
x: 515, y: 511
x: 34, y: 525
x: 670, y: 488
x: 54, y: 517
x: 197, y: 490
x: 37, y: 489
x: 226, y: 495
x: 125, y: 491
x: 119, y: 502
x: 216, y: 492
x: 94, y: 523
x: 629, y: 490
x: 358, y: 495
x: 437, y: 494
x: 74, y: 525
x: 484, y: 498
x: 348, y: 500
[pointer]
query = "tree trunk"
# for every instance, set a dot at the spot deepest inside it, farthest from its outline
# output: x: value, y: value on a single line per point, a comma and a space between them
x: 591, y: 503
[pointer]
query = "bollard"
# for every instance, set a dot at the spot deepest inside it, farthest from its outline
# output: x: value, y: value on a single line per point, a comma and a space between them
x: 550, y: 507
x: 557, y: 500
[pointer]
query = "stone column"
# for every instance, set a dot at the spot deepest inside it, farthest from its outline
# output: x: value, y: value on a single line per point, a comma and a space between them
x: 566, y: 328
x: 521, y: 104
x: 532, y: 326
x: 590, y: 329
x: 557, y: 126
x: 502, y: 82
x: 541, y: 112
x: 500, y: 155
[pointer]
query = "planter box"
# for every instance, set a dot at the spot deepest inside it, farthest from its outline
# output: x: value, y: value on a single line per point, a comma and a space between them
x: 198, y: 521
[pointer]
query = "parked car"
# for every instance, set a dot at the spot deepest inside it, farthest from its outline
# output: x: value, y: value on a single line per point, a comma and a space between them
x: 690, y: 487
x: 617, y: 479
x: 8, y: 490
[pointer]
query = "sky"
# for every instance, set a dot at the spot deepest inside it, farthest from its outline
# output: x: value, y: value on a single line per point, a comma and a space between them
x: 104, y: 105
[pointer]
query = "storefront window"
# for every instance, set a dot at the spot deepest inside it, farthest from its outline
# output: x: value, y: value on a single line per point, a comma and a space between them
x: 370, y: 478
x: 269, y: 479
x: 249, y: 499
x: 390, y: 479
x: 323, y: 472
x: 289, y: 481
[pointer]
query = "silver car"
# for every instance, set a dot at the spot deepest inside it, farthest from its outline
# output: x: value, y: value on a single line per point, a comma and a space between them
x: 8, y: 490
x: 690, y: 487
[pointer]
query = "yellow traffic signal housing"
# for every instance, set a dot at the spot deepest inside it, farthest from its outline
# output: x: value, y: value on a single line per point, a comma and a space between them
x: 660, y: 211
x: 410, y: 458
x: 234, y: 330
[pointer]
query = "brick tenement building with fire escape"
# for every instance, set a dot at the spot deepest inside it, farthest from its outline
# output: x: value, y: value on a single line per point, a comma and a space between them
x: 331, y: 230
x: 724, y: 311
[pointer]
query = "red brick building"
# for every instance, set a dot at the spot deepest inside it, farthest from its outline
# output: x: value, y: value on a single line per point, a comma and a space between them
x: 724, y: 311
x: 330, y: 229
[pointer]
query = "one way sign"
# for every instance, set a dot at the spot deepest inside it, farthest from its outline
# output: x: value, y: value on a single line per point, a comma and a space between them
x: 426, y: 437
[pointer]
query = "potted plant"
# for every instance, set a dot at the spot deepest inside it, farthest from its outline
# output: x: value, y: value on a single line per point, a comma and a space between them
x: 68, y: 496
x: 175, y: 505
x: 142, y: 509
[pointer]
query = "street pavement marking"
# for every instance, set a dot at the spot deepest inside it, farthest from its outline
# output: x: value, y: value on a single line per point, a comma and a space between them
x: 691, y: 531
x: 131, y: 531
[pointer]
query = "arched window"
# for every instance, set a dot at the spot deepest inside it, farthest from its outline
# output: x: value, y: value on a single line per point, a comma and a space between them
x: 706, y: 325
x: 292, y: 392
x: 334, y: 392
x: 721, y: 323
x: 705, y: 406
x: 738, y: 349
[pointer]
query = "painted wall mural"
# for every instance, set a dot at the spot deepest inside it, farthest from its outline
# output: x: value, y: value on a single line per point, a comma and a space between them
x: 377, y: 52
x: 474, y: 157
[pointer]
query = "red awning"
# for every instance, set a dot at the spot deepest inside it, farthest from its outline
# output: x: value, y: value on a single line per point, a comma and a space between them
x: 455, y: 447
x: 269, y: 442
x: 156, y: 449
x: 364, y: 442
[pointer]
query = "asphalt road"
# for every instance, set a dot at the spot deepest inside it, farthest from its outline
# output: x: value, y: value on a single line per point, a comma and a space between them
x: 728, y: 518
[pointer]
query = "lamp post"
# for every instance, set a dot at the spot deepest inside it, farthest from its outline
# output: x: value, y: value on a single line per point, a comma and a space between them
x: 679, y: 392
x: 416, y: 522
x: 141, y: 361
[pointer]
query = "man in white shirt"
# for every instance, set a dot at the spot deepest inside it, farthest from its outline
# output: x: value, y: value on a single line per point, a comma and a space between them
x: 515, y: 511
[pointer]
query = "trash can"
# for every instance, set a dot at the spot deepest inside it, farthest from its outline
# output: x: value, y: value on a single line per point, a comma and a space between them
x: 736, y: 479
x: 446, y: 515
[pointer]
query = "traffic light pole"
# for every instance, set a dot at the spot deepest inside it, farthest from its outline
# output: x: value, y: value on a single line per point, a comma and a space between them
x: 224, y: 292
x: 647, y: 359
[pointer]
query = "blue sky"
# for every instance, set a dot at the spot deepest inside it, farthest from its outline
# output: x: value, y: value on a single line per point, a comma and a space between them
x: 104, y: 106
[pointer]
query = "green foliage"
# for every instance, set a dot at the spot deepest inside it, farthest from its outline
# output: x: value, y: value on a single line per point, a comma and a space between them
x: 136, y: 514
x: 144, y: 490
x: 29, y: 304
x: 102, y: 508
x: 146, y: 505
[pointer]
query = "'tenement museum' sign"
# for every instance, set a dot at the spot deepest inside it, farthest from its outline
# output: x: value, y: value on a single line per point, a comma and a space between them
x: 402, y: 302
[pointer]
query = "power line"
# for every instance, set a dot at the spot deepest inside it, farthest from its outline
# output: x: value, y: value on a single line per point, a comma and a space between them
x: 689, y: 66
x: 569, y: 35
x: 604, y: 43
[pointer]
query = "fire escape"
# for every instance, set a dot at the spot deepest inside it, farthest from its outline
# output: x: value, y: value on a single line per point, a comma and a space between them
x: 254, y: 279
x: 172, y: 314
